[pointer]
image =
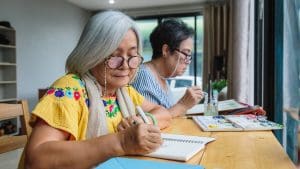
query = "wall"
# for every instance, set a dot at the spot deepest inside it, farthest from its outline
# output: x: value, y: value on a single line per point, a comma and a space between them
x: 46, y: 32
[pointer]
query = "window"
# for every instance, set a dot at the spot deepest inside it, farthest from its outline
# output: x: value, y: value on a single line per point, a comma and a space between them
x: 195, y: 21
x: 291, y: 76
x: 194, y: 70
x: 183, y: 83
x: 146, y: 26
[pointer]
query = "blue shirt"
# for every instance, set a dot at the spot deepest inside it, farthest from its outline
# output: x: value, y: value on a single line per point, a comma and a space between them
x: 147, y: 85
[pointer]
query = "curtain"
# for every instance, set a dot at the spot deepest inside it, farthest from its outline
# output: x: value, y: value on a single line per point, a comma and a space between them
x: 229, y: 47
x: 240, y: 62
x: 291, y: 77
x: 215, y: 41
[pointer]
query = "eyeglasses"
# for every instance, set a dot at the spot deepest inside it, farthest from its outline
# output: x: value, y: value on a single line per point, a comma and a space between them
x: 115, y: 62
x: 188, y: 57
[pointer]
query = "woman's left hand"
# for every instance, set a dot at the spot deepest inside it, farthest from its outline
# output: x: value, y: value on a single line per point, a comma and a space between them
x: 128, y: 122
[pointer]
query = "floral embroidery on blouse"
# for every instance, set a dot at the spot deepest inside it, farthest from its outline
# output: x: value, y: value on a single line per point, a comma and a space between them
x: 111, y: 106
x: 70, y: 92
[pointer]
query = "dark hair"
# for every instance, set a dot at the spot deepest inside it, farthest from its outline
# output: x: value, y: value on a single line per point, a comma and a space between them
x: 171, y: 32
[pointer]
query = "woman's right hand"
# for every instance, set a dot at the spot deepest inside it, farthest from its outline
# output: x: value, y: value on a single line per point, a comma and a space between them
x: 129, y: 122
x: 140, y: 139
x: 192, y: 96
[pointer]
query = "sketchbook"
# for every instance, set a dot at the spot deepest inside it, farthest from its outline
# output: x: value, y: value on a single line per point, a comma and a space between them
x: 235, y: 123
x: 129, y: 163
x: 180, y: 147
x: 222, y: 106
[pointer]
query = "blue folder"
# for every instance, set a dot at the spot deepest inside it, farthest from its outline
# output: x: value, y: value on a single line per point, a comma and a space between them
x: 128, y: 163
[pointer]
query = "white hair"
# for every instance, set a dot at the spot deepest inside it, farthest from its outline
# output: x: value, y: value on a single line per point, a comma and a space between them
x: 100, y: 38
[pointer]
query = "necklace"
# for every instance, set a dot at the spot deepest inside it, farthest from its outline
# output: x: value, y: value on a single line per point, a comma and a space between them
x: 157, y: 72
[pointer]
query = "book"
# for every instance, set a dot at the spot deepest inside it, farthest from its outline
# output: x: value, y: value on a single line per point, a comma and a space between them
x: 180, y: 147
x: 130, y: 163
x: 235, y: 123
x: 225, y: 105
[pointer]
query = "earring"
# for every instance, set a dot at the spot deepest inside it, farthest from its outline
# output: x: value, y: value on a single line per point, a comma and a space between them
x: 105, y: 82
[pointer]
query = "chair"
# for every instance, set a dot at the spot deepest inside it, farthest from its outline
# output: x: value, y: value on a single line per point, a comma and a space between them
x: 17, y: 110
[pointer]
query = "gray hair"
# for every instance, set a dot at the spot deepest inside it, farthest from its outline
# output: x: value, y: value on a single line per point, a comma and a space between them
x: 100, y: 38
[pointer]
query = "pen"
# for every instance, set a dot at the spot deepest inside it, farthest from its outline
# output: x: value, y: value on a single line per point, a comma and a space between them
x: 142, y: 114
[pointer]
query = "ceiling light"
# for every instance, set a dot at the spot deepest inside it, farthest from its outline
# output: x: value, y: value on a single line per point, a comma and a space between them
x: 111, y: 1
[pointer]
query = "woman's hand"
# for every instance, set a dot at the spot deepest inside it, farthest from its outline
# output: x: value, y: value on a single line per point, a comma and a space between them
x: 140, y: 139
x: 128, y: 122
x: 192, y: 96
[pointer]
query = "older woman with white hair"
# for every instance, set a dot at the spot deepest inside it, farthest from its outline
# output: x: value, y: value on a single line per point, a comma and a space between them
x: 89, y: 115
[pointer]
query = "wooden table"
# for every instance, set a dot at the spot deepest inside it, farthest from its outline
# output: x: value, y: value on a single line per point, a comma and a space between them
x: 234, y: 150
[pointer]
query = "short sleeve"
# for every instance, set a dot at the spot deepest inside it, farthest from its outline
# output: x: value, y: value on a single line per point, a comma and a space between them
x: 146, y: 84
x: 136, y: 97
x: 65, y: 106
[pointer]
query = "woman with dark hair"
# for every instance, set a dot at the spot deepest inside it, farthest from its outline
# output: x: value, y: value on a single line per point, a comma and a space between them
x: 172, y: 43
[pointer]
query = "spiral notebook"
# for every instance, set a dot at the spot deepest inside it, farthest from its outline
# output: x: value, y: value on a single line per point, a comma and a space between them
x: 180, y: 147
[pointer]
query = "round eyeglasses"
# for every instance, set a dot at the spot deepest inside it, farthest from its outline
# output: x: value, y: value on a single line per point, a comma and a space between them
x: 188, y: 57
x: 115, y: 62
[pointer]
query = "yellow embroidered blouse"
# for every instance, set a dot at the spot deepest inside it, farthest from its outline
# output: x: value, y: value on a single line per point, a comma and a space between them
x: 65, y: 107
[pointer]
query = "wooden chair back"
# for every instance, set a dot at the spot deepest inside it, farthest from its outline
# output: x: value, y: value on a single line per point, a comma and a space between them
x: 21, y: 112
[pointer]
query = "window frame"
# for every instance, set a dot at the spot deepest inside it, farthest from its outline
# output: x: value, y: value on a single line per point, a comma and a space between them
x: 192, y: 14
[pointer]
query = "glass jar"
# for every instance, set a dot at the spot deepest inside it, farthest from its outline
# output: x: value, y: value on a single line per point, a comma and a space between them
x: 211, y: 104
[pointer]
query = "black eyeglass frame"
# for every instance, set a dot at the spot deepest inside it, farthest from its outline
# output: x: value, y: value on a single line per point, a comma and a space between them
x: 188, y: 57
x: 121, y: 63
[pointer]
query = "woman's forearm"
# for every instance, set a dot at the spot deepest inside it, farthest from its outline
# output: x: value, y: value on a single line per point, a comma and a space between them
x: 162, y: 116
x: 178, y: 109
x: 74, y: 154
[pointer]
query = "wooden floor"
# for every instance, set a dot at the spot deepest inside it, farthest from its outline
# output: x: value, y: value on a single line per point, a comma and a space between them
x: 10, y: 160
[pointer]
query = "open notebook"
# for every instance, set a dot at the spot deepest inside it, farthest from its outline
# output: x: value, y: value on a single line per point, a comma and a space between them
x: 235, y: 123
x: 222, y: 106
x: 180, y: 147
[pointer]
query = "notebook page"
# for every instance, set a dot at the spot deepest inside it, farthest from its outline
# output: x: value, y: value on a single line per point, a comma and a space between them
x: 215, y: 123
x: 222, y: 106
x: 180, y: 147
x: 253, y: 122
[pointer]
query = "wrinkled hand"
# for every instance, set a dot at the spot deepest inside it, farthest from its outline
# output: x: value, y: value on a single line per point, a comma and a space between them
x: 128, y: 122
x: 192, y: 96
x: 140, y: 139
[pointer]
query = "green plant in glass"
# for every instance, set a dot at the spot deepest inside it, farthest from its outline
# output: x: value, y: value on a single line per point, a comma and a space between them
x: 219, y: 85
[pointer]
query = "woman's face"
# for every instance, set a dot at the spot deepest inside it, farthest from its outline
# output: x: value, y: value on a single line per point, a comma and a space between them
x: 182, y: 55
x: 119, y: 75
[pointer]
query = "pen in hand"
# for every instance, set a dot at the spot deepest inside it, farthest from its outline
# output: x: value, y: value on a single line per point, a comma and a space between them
x: 142, y: 114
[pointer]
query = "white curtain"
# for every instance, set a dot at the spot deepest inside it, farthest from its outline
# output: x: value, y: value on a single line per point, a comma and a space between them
x: 240, y: 63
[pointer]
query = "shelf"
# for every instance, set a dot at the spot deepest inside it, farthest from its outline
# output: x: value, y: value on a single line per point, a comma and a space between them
x: 7, y: 46
x: 6, y: 28
x: 8, y: 82
x: 8, y: 100
x: 7, y: 64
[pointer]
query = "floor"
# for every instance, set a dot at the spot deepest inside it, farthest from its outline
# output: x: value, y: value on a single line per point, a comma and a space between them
x: 10, y: 159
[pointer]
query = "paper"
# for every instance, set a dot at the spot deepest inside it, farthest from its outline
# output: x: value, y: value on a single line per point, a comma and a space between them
x: 222, y: 106
x: 235, y: 123
x: 180, y: 147
x: 128, y: 163
x: 253, y: 122
x: 215, y: 123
